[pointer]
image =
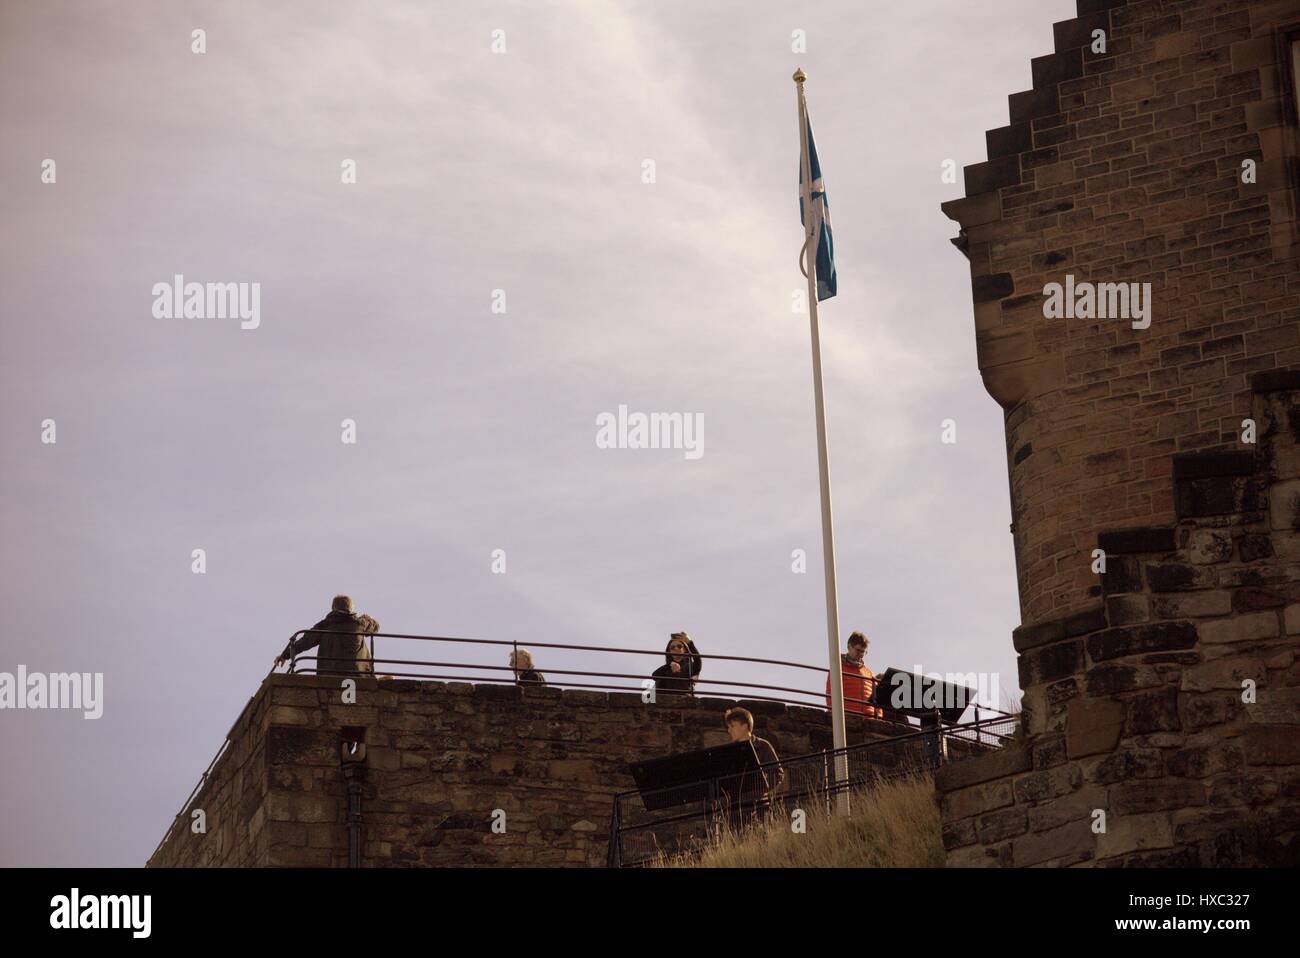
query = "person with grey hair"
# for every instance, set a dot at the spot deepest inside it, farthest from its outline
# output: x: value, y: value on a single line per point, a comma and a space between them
x: 341, y: 636
x: 521, y: 660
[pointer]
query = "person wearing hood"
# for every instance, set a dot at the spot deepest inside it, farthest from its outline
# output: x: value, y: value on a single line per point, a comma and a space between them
x: 682, y: 662
x: 341, y: 636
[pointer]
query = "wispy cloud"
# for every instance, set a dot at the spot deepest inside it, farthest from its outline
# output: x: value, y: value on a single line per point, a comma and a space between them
x: 476, y: 430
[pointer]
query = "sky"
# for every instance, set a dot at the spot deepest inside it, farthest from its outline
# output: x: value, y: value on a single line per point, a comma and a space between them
x: 483, y: 177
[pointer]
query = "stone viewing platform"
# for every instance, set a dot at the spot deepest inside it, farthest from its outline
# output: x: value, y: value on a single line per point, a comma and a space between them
x: 443, y: 767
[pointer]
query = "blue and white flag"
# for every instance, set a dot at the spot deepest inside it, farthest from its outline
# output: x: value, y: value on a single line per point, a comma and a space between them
x: 825, y: 259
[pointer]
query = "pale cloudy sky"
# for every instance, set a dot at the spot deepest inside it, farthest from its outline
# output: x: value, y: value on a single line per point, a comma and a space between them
x: 476, y: 430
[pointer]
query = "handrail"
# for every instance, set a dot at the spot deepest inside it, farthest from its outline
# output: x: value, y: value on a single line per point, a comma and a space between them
x: 596, y: 686
x: 866, y: 706
x: 560, y: 645
x: 601, y: 675
x: 831, y: 753
x: 203, y: 780
x: 697, y: 810
x: 750, y: 691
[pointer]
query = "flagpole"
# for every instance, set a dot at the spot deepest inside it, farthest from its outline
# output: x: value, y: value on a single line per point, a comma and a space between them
x: 823, y: 462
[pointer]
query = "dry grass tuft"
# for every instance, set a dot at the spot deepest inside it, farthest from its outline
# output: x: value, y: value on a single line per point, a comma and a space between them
x: 894, y: 824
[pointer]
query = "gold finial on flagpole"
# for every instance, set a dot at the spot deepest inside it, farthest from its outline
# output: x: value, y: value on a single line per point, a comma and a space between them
x: 799, y: 75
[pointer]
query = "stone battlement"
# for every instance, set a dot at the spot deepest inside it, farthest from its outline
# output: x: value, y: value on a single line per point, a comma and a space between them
x: 440, y: 761
x: 1173, y: 708
x: 1154, y: 465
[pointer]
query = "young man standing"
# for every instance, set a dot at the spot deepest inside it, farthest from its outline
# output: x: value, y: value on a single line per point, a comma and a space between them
x: 859, y: 681
x: 755, y: 789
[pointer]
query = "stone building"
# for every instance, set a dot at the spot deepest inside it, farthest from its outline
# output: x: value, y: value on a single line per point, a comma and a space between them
x: 437, y: 763
x: 1153, y: 439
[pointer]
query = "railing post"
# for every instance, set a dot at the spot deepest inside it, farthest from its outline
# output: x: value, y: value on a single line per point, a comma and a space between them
x: 826, y: 780
x: 613, y: 858
x: 934, y: 738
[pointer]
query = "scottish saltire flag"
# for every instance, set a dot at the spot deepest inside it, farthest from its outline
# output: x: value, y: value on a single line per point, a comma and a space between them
x: 825, y: 260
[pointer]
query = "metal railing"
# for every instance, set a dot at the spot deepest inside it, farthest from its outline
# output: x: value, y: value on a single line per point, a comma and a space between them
x: 182, y: 817
x: 431, y: 670
x: 653, y: 826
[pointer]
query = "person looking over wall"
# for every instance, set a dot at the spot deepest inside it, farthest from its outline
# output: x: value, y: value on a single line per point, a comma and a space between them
x: 859, y: 681
x: 681, y: 666
x: 341, y: 636
x: 521, y: 660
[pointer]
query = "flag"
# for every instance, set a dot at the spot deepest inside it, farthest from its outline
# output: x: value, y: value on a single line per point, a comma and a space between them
x: 825, y: 259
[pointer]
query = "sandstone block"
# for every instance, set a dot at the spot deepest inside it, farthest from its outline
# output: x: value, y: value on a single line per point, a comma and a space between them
x: 1155, y: 795
x: 966, y: 802
x: 1070, y: 842
x: 1079, y: 805
x: 1129, y: 833
x: 1049, y: 783
x: 1092, y: 726
x: 1240, y: 628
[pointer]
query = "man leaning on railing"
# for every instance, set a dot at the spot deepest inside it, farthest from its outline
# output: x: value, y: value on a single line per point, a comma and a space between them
x: 341, y: 636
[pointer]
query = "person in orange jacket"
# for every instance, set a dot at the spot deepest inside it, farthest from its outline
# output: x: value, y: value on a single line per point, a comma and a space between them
x: 859, y: 681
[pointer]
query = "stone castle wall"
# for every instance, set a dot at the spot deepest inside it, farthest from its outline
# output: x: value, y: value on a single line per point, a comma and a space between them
x: 1164, y: 691
x: 440, y: 758
x: 1125, y: 166
x: 1174, y: 710
x: 232, y: 796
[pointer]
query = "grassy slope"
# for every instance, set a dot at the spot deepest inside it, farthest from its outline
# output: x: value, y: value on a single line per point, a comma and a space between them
x: 893, y: 825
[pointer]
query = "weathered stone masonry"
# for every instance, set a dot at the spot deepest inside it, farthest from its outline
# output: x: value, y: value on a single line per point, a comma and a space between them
x: 1127, y: 166
x: 440, y: 758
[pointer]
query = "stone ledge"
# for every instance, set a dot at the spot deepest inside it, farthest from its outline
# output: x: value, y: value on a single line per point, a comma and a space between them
x: 992, y: 175
x: 994, y: 286
x: 1275, y: 380
x: 1208, y: 465
x: 1125, y: 641
x: 1137, y: 540
x: 1078, y: 31
x: 974, y: 771
x: 1097, y: 6
x: 1028, y: 637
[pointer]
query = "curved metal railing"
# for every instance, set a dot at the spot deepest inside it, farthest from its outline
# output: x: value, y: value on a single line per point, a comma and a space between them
x: 654, y: 825
x: 427, y: 668
x: 431, y: 670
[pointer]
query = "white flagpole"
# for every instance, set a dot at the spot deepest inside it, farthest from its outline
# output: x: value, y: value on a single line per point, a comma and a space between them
x: 823, y: 461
